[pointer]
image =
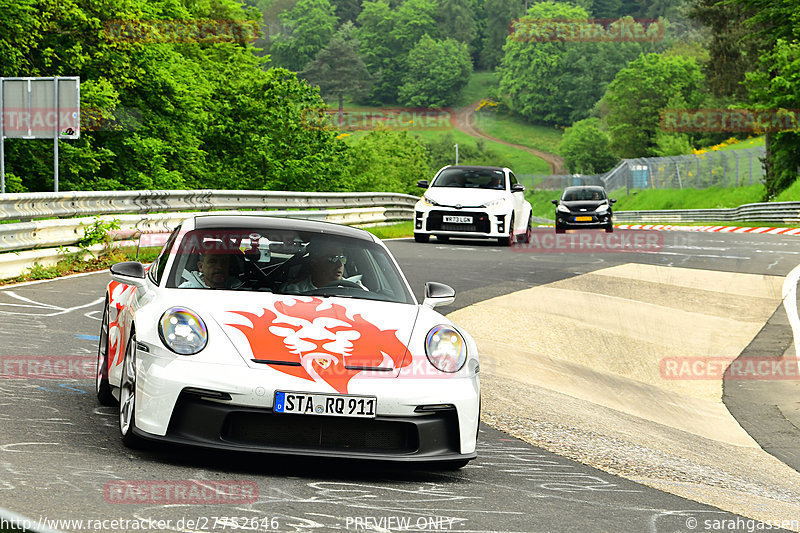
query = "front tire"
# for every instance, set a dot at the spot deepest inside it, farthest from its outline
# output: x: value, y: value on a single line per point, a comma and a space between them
x: 528, y: 232
x: 610, y: 228
x: 127, y: 396
x: 508, y: 241
x: 421, y: 237
x: 101, y: 385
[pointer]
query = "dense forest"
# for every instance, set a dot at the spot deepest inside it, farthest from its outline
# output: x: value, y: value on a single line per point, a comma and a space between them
x: 245, y: 109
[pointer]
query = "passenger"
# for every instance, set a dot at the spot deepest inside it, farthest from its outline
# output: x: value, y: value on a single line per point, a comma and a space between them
x: 213, y: 272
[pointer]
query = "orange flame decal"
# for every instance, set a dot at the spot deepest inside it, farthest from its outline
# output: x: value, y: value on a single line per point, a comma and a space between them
x: 321, y: 340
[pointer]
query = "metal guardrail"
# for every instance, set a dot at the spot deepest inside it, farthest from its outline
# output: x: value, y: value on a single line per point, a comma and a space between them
x: 29, y: 206
x: 64, y: 232
x: 771, y: 212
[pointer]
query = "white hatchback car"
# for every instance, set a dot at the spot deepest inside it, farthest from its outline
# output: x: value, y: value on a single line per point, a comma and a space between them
x: 473, y: 202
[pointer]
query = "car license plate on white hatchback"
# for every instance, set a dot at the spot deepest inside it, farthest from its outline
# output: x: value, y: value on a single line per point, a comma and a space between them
x: 304, y: 403
x: 457, y: 220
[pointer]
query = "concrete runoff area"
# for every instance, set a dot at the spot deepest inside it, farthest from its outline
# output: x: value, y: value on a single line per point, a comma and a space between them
x: 577, y: 367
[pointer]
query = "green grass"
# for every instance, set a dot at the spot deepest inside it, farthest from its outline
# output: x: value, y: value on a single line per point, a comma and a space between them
x: 520, y: 161
x: 790, y: 194
x: 541, y: 202
x: 688, y: 198
x: 392, y: 231
x: 518, y: 131
x: 480, y: 85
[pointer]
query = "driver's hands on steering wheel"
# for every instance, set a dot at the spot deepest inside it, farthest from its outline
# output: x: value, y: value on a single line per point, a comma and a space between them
x: 344, y: 282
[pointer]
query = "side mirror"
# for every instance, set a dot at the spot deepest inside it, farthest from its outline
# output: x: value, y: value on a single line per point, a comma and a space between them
x: 517, y: 187
x: 129, y: 273
x: 437, y: 294
x: 422, y: 184
x: 612, y: 200
x: 554, y: 202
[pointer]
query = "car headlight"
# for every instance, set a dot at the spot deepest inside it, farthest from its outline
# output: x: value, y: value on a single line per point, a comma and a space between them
x: 603, y: 208
x: 446, y: 349
x: 495, y: 203
x: 182, y: 331
x: 562, y: 209
x: 427, y: 201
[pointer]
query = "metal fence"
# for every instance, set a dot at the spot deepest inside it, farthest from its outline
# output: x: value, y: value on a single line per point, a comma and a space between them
x: 723, y: 168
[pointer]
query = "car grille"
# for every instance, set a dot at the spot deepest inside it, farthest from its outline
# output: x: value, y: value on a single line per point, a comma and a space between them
x: 353, y: 434
x: 480, y: 221
x: 197, y: 420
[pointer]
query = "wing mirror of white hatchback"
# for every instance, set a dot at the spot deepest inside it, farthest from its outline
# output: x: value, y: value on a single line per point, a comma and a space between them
x: 437, y: 294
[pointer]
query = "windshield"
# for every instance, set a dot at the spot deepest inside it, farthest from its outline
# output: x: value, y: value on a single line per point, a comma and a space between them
x: 471, y: 178
x: 286, y: 262
x: 584, y: 194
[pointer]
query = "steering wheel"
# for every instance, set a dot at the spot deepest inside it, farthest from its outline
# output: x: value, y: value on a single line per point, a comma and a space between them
x: 344, y: 283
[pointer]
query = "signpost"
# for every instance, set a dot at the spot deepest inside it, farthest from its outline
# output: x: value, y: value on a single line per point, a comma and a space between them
x: 39, y: 108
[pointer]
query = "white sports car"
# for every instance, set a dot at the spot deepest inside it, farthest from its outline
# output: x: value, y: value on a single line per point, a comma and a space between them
x: 473, y: 202
x: 286, y: 336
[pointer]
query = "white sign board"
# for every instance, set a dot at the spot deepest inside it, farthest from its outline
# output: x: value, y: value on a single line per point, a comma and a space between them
x: 40, y: 108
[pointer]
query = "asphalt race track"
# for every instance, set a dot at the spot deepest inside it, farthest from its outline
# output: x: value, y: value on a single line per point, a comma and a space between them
x: 61, y: 457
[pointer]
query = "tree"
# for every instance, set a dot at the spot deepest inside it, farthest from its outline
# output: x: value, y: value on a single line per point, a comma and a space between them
x: 731, y: 51
x: 456, y: 20
x: 387, y: 34
x: 347, y: 10
x: 499, y: 14
x: 386, y: 160
x: 208, y: 115
x: 773, y: 82
x: 311, y: 25
x: 585, y: 148
x: 775, y: 86
x: 338, y: 70
x: 638, y: 95
x: 557, y: 82
x: 436, y: 73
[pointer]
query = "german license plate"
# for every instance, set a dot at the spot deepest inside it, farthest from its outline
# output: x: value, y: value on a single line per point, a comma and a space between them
x: 583, y: 219
x: 305, y: 403
x: 457, y: 220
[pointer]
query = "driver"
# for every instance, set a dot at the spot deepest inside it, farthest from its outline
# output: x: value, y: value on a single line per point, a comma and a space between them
x: 326, y: 266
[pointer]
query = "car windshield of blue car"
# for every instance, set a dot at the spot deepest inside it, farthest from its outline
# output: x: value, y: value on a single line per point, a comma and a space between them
x: 471, y: 179
x: 286, y: 262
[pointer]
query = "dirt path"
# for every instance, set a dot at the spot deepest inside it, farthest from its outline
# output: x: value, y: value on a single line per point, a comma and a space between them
x: 465, y: 122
